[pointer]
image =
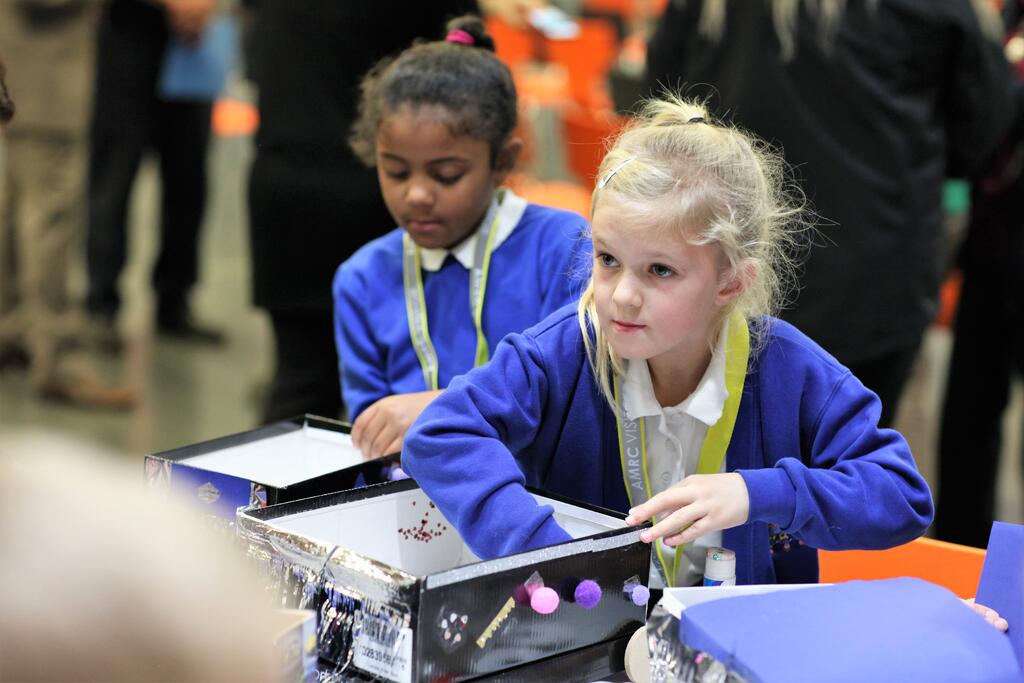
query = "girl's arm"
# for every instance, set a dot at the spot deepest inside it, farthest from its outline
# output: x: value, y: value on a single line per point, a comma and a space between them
x: 461, y: 449
x: 363, y: 379
x: 855, y: 485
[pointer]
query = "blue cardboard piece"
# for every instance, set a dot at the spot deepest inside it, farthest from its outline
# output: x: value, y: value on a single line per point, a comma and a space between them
x: 219, y: 494
x: 902, y: 629
x: 282, y: 461
x: 1001, y: 586
x: 197, y: 73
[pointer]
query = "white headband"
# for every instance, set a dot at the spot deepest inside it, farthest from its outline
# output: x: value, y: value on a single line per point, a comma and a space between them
x: 618, y: 167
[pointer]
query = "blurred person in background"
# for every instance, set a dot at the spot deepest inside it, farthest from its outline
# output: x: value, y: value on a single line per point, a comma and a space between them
x: 130, y: 117
x: 311, y: 202
x: 514, y: 12
x: 103, y: 580
x: 6, y: 104
x: 874, y: 103
x: 988, y: 341
x: 49, y: 47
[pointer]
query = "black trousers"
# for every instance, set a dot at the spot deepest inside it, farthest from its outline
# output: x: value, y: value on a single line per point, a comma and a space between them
x: 306, y: 377
x: 886, y: 375
x: 987, y: 352
x: 128, y: 120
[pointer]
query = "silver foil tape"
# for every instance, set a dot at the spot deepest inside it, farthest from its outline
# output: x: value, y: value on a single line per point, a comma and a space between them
x: 673, y: 662
x: 268, y: 546
x: 360, y: 603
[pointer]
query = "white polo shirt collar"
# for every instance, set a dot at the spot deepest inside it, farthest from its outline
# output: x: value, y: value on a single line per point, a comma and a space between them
x: 510, y: 211
x: 706, y: 403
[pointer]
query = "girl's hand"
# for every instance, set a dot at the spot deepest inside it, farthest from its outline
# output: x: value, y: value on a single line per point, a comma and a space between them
x: 699, y: 504
x: 991, y: 616
x: 380, y: 429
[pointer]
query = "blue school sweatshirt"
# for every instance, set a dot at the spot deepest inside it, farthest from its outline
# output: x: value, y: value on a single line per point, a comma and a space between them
x: 806, y: 442
x: 541, y: 266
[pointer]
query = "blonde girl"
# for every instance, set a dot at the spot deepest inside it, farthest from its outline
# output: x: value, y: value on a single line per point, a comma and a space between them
x: 670, y: 392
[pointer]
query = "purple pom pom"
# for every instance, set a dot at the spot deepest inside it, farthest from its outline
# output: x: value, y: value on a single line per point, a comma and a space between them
x: 398, y: 474
x: 640, y: 595
x: 588, y: 594
x: 544, y: 600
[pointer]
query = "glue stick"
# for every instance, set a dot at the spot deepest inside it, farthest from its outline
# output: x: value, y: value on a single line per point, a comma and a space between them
x: 720, y: 567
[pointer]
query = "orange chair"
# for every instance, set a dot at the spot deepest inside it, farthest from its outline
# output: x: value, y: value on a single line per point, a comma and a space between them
x: 623, y: 8
x: 585, y: 134
x: 519, y: 48
x: 956, y: 567
x: 514, y: 46
x: 627, y: 9
x: 587, y: 59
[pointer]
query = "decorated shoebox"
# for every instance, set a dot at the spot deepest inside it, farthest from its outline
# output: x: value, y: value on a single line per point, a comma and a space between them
x: 282, y: 461
x: 401, y: 597
x: 903, y: 629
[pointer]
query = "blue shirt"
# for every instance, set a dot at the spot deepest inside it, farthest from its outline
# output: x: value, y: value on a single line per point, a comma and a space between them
x: 806, y: 442
x: 541, y: 266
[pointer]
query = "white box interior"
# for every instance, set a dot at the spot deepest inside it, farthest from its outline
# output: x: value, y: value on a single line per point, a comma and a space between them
x: 675, y: 600
x: 282, y: 460
x: 405, y: 531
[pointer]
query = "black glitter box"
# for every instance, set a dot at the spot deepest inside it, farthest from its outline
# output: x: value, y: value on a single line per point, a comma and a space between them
x: 401, y: 598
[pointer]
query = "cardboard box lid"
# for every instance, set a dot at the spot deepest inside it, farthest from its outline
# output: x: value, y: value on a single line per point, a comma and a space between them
x: 893, y: 630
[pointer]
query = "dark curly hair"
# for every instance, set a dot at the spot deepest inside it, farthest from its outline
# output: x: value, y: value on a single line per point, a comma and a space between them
x: 468, y: 81
x: 6, y: 103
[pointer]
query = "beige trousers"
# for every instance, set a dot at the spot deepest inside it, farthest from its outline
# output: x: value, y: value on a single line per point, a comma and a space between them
x: 41, y: 214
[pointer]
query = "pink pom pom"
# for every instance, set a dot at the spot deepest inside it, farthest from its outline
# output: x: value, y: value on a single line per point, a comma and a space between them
x: 544, y: 600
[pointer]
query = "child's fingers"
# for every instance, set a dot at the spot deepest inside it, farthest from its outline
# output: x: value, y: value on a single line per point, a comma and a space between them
x: 989, y: 614
x: 365, y: 427
x: 673, y: 540
x: 690, y: 533
x: 358, y: 427
x: 395, y: 446
x: 675, y: 523
x: 383, y: 440
x: 372, y: 420
x: 992, y: 617
x: 674, y: 498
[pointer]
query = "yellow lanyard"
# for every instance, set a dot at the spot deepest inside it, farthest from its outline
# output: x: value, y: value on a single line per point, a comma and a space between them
x: 633, y: 444
x: 416, y: 305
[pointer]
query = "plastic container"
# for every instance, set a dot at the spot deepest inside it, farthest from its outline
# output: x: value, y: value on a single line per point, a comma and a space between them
x: 720, y: 567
